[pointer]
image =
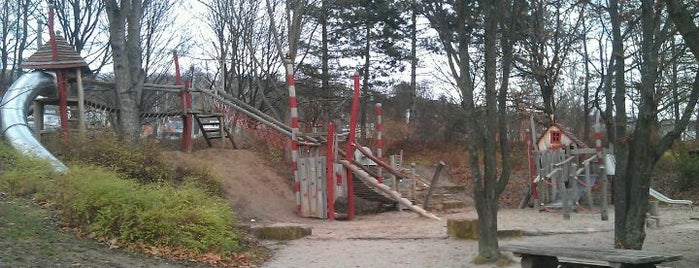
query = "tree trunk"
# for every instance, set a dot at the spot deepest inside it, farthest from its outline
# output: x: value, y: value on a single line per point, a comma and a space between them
x: 129, y: 76
x: 413, y: 64
x: 632, y: 185
x: 325, y: 75
x: 365, y: 82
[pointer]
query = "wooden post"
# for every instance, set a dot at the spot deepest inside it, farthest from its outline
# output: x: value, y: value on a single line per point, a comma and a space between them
x: 573, y: 180
x: 531, y: 144
x: 330, y: 170
x: 433, y: 184
x: 413, y: 182
x: 603, y: 211
x: 38, y: 119
x: 394, y: 180
x: 81, y: 104
x: 564, y: 194
x: 602, y: 170
x: 222, y: 131
x: 588, y: 185
x: 187, y: 124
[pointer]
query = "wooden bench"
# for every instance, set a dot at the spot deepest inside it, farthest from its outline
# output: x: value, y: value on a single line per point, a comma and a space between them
x: 534, y: 256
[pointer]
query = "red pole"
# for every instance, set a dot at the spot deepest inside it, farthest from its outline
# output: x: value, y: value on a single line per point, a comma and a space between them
x: 379, y: 141
x: 61, y: 87
x: 350, y: 146
x: 186, y: 141
x: 329, y: 170
x: 294, y: 131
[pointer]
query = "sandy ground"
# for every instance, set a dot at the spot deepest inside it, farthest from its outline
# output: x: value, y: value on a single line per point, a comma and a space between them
x: 402, y: 239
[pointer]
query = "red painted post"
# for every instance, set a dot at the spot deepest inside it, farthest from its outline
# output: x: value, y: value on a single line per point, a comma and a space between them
x: 350, y: 146
x: 60, y: 79
x: 294, y: 131
x: 379, y: 141
x: 186, y: 140
x: 329, y: 170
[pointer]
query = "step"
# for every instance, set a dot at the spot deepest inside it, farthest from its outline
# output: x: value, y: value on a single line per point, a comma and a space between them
x: 447, y: 205
x: 453, y: 189
x: 200, y: 116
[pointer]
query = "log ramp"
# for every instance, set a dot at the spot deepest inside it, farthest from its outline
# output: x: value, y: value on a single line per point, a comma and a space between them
x: 385, y: 190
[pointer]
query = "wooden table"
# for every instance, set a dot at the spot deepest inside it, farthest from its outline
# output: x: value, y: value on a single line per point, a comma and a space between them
x: 537, y: 256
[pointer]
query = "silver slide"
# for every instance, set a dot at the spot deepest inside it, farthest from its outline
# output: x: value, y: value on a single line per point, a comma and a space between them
x: 14, y: 108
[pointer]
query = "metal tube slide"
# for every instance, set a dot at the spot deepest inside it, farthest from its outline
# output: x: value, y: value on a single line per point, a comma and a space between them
x: 14, y: 108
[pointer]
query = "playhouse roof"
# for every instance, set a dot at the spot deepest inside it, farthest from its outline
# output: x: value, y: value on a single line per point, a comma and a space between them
x: 68, y: 58
x: 565, y: 131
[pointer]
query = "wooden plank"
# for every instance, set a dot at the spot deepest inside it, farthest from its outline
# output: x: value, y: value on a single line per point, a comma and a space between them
x: 322, y: 198
x: 623, y: 256
x: 312, y: 189
x: 583, y: 151
x: 303, y: 174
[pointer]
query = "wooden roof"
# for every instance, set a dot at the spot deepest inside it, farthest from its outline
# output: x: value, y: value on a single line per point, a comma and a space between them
x: 68, y: 58
x: 565, y: 131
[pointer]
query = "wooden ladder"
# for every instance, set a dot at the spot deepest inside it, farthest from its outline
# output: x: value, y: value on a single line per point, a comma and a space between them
x: 212, y: 127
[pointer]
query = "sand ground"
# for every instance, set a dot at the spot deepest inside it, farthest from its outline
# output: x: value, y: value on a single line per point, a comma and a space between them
x: 402, y: 239
x: 259, y: 196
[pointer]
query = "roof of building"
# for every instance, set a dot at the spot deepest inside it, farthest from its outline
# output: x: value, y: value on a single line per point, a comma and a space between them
x: 565, y: 131
x: 68, y: 58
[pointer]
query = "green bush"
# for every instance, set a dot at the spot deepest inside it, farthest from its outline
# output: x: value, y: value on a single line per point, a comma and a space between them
x: 110, y: 207
x: 688, y: 167
x: 103, y: 203
x: 141, y: 162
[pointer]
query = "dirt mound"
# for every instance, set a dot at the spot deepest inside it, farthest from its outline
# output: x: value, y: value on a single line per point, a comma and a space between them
x: 254, y: 189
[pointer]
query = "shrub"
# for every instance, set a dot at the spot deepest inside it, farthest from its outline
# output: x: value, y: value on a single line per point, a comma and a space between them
x: 141, y: 162
x: 688, y: 167
x: 103, y: 203
x: 110, y: 207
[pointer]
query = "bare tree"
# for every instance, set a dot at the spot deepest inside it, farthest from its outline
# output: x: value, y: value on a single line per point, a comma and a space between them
x: 547, y: 43
x: 84, y: 25
x: 639, y: 150
x: 455, y: 25
x: 16, y: 37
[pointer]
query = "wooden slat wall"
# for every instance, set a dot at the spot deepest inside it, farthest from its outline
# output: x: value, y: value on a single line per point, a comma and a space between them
x: 313, y: 185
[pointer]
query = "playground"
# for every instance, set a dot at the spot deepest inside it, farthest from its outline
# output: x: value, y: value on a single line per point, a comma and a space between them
x: 333, y: 178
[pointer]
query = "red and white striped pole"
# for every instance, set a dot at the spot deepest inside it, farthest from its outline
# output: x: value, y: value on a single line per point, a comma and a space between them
x: 350, y: 146
x: 330, y: 170
x: 379, y: 141
x: 290, y: 83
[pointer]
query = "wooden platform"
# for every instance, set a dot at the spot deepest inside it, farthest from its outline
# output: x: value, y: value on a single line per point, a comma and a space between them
x: 552, y: 256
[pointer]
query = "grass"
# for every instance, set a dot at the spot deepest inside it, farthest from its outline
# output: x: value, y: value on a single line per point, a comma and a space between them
x: 24, y: 225
x: 110, y: 205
